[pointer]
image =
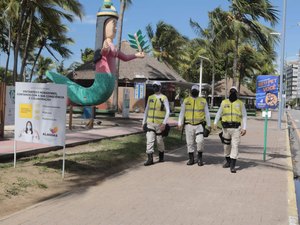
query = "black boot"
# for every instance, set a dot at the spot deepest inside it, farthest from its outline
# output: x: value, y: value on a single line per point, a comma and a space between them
x: 227, y: 163
x: 150, y: 160
x: 161, y: 157
x: 232, y: 166
x: 200, y: 162
x: 191, y: 159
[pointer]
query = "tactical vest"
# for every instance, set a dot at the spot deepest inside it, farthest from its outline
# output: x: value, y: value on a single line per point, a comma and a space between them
x: 194, y: 110
x: 232, y: 111
x: 156, y: 110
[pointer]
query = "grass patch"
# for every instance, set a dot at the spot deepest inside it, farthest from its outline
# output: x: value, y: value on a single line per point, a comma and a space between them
x: 6, y: 165
x: 21, y: 185
x: 12, y: 191
x: 40, y: 185
x: 113, y: 152
x: 17, y: 187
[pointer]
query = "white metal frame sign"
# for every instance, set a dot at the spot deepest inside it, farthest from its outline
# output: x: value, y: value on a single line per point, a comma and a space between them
x: 40, y: 111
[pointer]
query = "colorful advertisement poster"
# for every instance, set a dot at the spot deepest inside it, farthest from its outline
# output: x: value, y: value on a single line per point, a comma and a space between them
x: 10, y: 105
x: 40, y: 113
x: 266, y: 92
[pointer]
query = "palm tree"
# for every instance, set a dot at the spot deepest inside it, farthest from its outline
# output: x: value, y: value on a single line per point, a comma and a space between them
x: 211, y: 41
x: 43, y: 65
x: 254, y: 62
x: 168, y: 45
x: 27, y: 13
x: 48, y: 12
x: 52, y: 38
x: 87, y: 55
x: 243, y: 19
x: 189, y: 63
x: 8, y: 10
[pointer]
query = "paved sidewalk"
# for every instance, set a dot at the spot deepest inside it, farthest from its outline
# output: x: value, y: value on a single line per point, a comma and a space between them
x: 260, y: 193
x: 109, y: 127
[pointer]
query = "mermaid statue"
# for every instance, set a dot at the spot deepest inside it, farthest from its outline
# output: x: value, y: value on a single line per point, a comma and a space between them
x: 104, y: 59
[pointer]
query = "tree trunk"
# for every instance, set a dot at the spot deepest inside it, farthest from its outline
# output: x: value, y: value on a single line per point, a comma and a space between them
x: 213, y: 85
x: 17, y: 45
x: 235, y: 60
x: 226, y: 82
x: 34, y: 63
x: 239, y: 79
x: 25, y: 55
x: 8, y: 52
x: 119, y: 37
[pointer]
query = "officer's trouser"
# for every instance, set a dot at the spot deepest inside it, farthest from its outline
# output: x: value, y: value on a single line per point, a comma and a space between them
x: 191, y: 137
x: 234, y: 134
x: 151, y: 138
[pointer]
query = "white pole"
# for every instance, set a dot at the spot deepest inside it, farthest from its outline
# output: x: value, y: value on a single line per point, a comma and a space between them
x: 15, y: 153
x: 282, y: 64
x: 63, y: 165
x: 200, y: 78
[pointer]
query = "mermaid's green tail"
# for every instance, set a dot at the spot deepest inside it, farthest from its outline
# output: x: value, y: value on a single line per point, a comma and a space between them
x: 96, y: 94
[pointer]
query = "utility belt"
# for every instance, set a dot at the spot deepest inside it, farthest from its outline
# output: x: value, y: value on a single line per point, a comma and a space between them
x: 226, y: 141
x: 205, y: 132
x: 164, y: 133
x: 152, y: 130
x: 202, y: 123
x: 231, y: 124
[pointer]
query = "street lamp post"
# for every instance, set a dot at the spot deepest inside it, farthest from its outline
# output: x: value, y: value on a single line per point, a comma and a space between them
x: 282, y: 64
x: 200, y: 78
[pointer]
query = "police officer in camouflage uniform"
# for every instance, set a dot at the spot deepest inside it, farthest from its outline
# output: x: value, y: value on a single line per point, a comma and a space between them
x: 234, y: 122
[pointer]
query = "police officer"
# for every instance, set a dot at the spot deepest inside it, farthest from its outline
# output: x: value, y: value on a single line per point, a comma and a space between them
x: 234, y: 122
x: 194, y: 115
x: 155, y: 119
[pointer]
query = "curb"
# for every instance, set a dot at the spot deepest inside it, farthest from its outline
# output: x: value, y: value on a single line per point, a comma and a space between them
x: 292, y: 202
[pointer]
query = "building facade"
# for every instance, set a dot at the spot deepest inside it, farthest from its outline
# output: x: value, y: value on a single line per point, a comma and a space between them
x: 292, y: 81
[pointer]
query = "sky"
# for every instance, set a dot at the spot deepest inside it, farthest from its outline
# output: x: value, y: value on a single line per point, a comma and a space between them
x: 176, y: 13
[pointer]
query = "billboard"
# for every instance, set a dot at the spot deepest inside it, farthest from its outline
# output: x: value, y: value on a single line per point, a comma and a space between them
x: 267, y: 92
x: 40, y: 113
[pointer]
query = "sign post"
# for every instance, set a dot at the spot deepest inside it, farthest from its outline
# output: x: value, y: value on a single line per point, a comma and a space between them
x: 265, y: 134
x: 266, y: 98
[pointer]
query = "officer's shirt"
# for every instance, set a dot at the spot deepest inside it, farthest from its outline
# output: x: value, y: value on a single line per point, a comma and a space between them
x: 244, y: 115
x: 167, y: 108
x: 182, y: 112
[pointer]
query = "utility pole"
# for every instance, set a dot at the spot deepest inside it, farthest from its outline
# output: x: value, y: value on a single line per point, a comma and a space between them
x: 200, y: 76
x: 282, y: 64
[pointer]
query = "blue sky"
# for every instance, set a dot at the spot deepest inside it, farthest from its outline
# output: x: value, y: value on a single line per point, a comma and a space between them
x: 143, y: 12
